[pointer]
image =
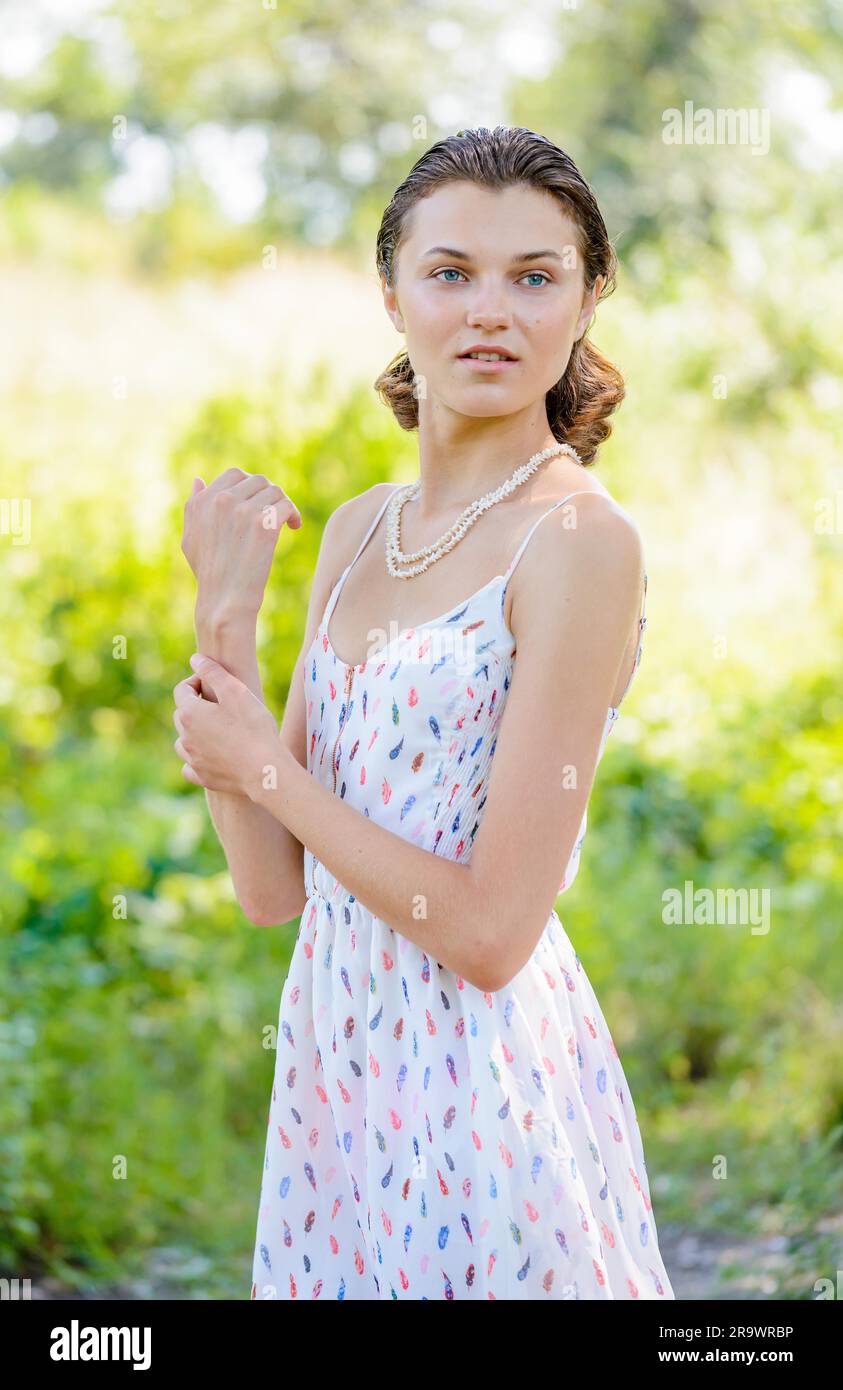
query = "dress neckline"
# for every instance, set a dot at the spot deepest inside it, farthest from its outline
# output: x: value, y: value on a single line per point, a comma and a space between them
x: 455, y: 611
x: 322, y: 633
x: 450, y: 612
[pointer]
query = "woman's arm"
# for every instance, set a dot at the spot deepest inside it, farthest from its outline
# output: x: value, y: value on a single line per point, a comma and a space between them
x: 264, y: 857
x: 230, y: 533
x: 577, y: 601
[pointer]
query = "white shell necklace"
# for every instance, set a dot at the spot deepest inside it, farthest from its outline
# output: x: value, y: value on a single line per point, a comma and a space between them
x: 429, y: 554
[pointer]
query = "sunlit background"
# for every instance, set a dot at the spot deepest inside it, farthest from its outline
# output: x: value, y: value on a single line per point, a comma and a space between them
x: 189, y: 198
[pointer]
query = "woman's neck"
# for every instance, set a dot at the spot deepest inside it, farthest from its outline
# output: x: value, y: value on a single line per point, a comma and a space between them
x: 454, y: 474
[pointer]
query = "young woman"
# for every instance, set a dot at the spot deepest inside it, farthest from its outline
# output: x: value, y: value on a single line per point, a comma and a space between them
x: 449, y: 1114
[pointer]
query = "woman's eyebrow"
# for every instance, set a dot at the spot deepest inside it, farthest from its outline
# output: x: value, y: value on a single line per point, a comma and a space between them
x: 456, y: 255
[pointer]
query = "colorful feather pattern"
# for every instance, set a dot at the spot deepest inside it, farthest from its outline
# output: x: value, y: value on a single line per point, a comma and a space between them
x: 428, y: 1139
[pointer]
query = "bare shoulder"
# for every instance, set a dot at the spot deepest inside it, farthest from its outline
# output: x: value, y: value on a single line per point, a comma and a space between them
x: 349, y: 522
x: 588, y: 553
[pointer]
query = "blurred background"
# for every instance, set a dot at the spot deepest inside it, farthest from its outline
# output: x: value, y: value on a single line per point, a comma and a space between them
x: 189, y: 198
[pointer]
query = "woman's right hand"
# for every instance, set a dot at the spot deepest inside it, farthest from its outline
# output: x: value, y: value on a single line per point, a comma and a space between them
x: 231, y: 528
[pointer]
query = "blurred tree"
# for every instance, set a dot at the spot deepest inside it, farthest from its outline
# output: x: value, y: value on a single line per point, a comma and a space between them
x: 304, y: 119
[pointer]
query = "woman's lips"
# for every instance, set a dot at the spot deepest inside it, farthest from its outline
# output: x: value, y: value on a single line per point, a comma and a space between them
x: 479, y: 365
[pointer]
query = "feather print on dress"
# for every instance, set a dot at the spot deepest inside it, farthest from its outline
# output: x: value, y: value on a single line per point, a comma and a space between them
x: 426, y: 1139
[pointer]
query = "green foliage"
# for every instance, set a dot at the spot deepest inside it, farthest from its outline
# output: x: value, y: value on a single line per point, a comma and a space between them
x: 134, y: 992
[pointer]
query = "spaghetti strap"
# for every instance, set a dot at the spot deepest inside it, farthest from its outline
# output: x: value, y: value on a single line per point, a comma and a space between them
x: 642, y: 621
x: 580, y: 492
x: 361, y: 547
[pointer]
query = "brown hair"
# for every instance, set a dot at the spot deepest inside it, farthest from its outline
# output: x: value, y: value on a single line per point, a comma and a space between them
x: 580, y: 403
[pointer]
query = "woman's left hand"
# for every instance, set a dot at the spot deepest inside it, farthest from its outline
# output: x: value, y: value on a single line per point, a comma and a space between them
x: 228, y: 739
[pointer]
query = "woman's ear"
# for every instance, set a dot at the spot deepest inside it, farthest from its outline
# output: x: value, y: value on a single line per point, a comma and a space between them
x: 589, y: 304
x: 391, y: 304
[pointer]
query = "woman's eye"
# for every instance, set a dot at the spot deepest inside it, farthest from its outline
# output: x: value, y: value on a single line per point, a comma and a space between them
x: 539, y: 275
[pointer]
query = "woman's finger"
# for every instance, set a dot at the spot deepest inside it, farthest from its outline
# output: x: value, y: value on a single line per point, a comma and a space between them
x: 249, y: 485
x: 228, y: 479
x: 285, y: 507
x: 188, y: 690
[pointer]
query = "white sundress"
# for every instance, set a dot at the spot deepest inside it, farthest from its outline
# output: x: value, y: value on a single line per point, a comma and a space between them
x: 425, y: 1139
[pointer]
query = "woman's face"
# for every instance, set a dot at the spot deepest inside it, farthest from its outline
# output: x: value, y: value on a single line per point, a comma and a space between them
x: 466, y: 274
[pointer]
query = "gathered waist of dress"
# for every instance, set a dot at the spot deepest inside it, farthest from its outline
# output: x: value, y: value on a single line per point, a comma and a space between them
x: 319, y: 882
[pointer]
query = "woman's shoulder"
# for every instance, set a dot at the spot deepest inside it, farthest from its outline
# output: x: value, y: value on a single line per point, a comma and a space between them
x: 350, y: 520
x: 590, y: 546
x: 355, y: 514
x: 603, y: 528
x: 601, y: 525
